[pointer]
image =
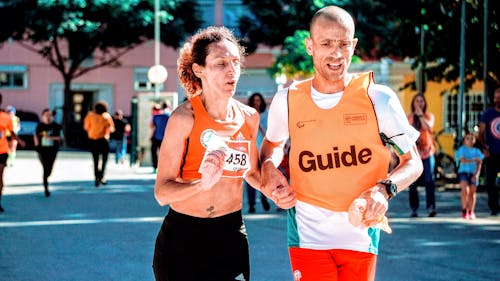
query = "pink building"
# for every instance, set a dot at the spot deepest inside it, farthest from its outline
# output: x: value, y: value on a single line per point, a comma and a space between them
x: 29, y: 83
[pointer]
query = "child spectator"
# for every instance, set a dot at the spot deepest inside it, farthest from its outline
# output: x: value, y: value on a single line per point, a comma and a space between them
x: 469, y: 160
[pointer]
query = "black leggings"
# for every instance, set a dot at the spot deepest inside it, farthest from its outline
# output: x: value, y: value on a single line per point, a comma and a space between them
x: 47, y: 156
x: 99, y: 147
x: 209, y: 249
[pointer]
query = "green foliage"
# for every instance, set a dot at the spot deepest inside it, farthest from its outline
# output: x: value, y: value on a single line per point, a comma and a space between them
x: 392, y: 28
x: 110, y: 26
x: 103, y: 30
x: 294, y: 62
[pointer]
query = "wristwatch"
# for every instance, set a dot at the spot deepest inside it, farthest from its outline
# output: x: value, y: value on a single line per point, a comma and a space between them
x: 390, y: 188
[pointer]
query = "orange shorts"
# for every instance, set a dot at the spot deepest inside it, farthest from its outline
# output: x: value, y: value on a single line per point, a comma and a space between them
x: 332, y: 265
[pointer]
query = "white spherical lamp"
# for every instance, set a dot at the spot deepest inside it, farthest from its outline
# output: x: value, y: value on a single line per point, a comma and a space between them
x: 157, y: 74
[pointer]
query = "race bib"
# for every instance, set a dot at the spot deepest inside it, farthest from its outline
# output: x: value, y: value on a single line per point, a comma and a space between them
x: 237, y: 160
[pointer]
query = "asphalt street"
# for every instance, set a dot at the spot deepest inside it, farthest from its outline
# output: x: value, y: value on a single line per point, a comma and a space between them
x: 85, y: 233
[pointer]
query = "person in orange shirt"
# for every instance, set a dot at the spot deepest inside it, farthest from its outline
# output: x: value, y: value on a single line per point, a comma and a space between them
x: 99, y: 126
x: 6, y: 126
x: 423, y: 121
x: 208, y: 149
x: 339, y: 125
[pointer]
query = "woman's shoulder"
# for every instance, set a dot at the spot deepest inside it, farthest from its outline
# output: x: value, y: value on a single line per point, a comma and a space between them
x: 249, y: 112
x: 183, y: 115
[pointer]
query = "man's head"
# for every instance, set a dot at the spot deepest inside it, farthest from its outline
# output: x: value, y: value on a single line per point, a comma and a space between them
x: 331, y: 44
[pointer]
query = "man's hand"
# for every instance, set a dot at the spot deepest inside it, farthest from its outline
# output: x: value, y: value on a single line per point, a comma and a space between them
x: 275, y: 186
x: 211, y: 169
x: 369, y: 209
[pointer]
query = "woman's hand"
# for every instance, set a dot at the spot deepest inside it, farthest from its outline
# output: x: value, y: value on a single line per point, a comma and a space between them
x: 211, y: 169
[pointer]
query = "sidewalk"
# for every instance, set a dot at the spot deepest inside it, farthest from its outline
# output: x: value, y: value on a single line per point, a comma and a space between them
x: 83, y: 233
x: 74, y: 167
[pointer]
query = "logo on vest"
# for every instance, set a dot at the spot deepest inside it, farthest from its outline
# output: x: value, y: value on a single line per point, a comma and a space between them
x: 308, y: 161
x: 355, y: 119
x: 301, y: 124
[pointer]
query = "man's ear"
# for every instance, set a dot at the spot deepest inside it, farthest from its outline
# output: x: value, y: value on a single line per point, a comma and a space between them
x: 197, y: 69
x: 309, y: 48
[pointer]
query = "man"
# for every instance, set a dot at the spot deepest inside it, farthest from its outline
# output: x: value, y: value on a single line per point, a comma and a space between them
x: 158, y: 124
x: 489, y: 138
x: 119, y: 136
x: 337, y: 123
x: 5, y: 126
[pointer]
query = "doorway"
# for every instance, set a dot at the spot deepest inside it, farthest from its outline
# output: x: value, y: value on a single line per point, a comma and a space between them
x: 81, y: 104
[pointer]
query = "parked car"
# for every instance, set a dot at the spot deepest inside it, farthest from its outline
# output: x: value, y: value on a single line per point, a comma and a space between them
x: 29, y: 121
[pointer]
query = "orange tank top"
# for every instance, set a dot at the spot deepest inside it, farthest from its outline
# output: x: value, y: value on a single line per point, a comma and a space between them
x: 5, y: 126
x: 336, y: 153
x: 234, y: 135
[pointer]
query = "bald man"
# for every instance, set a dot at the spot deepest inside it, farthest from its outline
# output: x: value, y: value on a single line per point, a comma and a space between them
x: 340, y: 127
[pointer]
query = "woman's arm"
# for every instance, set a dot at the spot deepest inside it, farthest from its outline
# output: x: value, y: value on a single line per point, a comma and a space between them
x: 252, y: 176
x: 168, y: 188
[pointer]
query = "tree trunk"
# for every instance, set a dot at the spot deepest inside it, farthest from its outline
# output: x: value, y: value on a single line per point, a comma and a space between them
x: 67, y: 111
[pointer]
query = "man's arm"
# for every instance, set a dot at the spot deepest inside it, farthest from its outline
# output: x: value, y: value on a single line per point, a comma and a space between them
x: 481, y: 139
x: 274, y: 183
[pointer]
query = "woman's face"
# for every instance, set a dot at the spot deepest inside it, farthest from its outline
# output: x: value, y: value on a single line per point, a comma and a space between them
x: 257, y: 102
x: 419, y: 103
x: 222, y: 69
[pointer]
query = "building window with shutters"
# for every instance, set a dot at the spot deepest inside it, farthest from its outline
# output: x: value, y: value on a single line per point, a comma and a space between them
x: 141, y: 81
x: 13, y: 77
x: 473, y: 107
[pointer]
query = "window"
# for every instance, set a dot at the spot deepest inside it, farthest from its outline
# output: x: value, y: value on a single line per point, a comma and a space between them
x: 208, y: 12
x: 473, y: 107
x: 13, y: 77
x: 141, y: 81
x: 233, y: 11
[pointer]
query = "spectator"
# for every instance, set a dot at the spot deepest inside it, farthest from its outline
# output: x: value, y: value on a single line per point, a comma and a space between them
x: 158, y: 124
x: 489, y: 138
x: 469, y: 160
x: 258, y: 102
x: 423, y: 121
x: 119, y: 136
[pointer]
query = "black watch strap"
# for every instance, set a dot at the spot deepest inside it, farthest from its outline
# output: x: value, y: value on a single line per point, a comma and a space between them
x: 390, y: 188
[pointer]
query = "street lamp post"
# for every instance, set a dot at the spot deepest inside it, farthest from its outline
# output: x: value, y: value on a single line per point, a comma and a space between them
x: 157, y: 74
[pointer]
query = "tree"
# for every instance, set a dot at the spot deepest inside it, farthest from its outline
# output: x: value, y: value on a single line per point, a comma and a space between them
x: 68, y: 32
x: 392, y: 28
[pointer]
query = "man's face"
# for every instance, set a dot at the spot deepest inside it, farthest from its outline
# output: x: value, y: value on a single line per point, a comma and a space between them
x: 331, y: 46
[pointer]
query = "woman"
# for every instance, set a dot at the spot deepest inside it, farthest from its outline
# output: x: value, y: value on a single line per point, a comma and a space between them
x: 47, y: 139
x: 209, y: 147
x: 423, y: 121
x: 99, y: 126
x: 258, y: 102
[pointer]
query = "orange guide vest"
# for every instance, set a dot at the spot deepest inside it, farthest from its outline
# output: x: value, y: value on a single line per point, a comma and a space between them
x: 336, y: 153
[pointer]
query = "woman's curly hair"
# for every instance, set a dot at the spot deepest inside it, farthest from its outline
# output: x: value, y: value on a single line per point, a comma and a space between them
x: 196, y: 51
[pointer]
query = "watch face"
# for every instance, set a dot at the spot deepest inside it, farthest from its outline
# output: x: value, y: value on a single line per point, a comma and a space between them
x: 394, y: 189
